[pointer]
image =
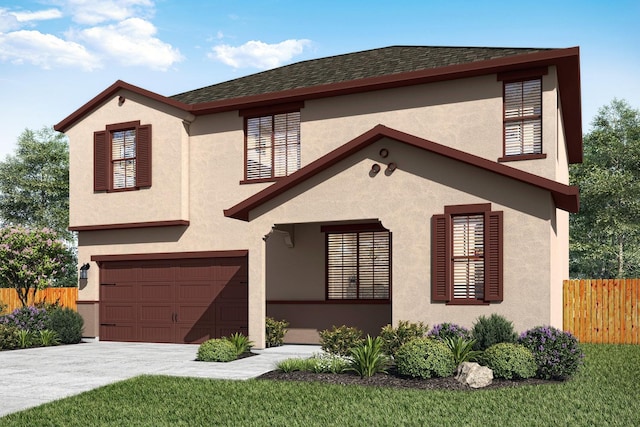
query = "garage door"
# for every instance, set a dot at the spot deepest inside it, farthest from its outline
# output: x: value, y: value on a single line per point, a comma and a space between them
x: 173, y: 301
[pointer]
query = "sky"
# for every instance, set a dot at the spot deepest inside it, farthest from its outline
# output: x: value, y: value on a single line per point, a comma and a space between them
x: 56, y: 55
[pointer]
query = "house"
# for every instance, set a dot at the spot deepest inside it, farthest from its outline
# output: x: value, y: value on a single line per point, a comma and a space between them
x: 403, y: 183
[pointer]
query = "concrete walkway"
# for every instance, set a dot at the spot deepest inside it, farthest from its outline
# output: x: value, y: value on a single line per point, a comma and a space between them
x: 35, y: 376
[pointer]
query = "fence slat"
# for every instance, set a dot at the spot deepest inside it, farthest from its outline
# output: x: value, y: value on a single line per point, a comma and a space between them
x: 602, y: 310
x: 66, y: 297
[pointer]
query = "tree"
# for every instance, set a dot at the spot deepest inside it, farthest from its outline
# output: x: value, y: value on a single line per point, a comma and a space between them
x: 605, y: 234
x: 34, y: 183
x: 31, y: 259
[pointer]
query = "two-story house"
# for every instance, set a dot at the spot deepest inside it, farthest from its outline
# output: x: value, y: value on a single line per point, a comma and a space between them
x: 403, y: 183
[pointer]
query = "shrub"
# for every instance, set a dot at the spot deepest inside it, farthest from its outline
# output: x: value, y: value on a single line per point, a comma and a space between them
x: 368, y: 358
x: 47, y: 337
x: 492, y: 330
x: 326, y: 363
x: 240, y: 343
x: 425, y: 358
x: 393, y: 338
x: 510, y: 361
x: 28, y: 318
x: 340, y: 340
x: 26, y: 338
x: 446, y: 330
x: 3, y: 307
x: 275, y: 331
x: 557, y: 353
x: 67, y: 323
x: 9, y: 337
x: 216, y: 350
x: 295, y: 364
x: 462, y: 349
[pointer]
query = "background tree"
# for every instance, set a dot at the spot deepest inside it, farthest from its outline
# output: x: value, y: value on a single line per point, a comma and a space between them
x: 34, y: 190
x: 605, y: 234
x: 32, y: 259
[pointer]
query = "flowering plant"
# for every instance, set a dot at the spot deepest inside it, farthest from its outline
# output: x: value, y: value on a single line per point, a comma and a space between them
x: 557, y: 353
x: 445, y: 330
x: 30, y: 318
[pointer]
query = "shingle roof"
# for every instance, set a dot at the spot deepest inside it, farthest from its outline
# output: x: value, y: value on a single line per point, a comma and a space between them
x: 351, y: 66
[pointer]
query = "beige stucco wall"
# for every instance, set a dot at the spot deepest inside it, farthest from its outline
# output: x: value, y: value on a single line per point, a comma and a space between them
x: 198, y: 163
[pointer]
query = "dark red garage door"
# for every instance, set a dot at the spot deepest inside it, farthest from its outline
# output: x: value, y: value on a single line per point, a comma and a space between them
x: 174, y: 300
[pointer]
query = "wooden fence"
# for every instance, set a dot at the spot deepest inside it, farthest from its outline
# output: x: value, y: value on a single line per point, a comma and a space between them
x: 603, y: 310
x: 66, y: 297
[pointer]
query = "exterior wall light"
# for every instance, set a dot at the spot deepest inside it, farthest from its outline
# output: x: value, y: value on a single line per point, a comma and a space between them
x: 391, y: 167
x: 375, y: 168
x: 83, y: 271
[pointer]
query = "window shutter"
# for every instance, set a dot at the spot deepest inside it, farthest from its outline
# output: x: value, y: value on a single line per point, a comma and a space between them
x: 440, y: 260
x: 143, y: 154
x: 100, y: 161
x: 493, y: 291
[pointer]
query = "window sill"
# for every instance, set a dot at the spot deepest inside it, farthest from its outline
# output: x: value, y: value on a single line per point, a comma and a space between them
x: 467, y: 302
x: 332, y: 301
x: 522, y: 157
x: 260, y: 180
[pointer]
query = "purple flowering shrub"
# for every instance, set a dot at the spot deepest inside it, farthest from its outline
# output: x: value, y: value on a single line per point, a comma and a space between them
x: 442, y: 331
x: 27, y: 318
x: 557, y: 353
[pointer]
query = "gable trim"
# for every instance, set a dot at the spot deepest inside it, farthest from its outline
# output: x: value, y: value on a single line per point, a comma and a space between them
x: 564, y: 196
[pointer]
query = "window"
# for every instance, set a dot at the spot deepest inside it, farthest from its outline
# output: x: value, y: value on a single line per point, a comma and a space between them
x: 122, y: 157
x: 466, y: 265
x: 523, y: 118
x: 272, y: 146
x: 358, y: 262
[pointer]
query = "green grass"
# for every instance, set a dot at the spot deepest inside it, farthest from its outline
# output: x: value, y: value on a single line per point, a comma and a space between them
x: 605, y: 392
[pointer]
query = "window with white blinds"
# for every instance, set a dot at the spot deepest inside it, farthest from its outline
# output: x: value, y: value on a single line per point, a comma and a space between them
x: 523, y: 117
x: 358, y: 265
x: 123, y: 158
x: 273, y: 145
x: 468, y: 256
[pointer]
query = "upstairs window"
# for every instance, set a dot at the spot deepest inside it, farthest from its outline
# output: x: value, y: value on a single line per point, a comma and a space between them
x: 122, y: 157
x: 272, y: 146
x: 358, y: 262
x: 523, y: 118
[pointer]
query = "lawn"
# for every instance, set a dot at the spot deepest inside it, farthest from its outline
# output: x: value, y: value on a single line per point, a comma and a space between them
x: 605, y: 392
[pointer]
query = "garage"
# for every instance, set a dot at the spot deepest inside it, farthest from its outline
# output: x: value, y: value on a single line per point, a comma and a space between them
x: 174, y: 300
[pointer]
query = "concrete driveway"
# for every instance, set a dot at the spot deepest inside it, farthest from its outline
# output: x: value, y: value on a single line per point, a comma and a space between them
x: 35, y: 376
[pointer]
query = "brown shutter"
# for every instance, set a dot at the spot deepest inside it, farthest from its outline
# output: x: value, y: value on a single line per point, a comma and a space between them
x: 143, y: 155
x: 440, y: 259
x: 100, y: 161
x: 493, y: 289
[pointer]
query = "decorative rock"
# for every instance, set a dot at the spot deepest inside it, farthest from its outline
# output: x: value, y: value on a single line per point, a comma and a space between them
x: 474, y: 375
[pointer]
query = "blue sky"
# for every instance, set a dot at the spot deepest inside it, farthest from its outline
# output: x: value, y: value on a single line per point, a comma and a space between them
x: 56, y: 55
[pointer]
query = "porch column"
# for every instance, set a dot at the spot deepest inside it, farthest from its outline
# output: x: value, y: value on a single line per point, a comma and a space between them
x: 257, y: 293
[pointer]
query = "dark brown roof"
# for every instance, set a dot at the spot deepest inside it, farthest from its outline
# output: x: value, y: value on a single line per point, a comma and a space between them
x: 564, y: 196
x: 352, y: 66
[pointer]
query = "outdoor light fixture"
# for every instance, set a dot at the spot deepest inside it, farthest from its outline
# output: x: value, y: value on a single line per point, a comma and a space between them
x: 391, y: 167
x: 83, y: 270
x: 384, y: 152
x: 375, y: 168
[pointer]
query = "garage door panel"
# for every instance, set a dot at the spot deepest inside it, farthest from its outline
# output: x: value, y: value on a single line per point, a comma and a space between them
x: 119, y: 272
x: 123, y: 291
x: 152, y: 272
x: 196, y: 313
x: 234, y: 291
x: 198, y: 291
x: 150, y: 312
x: 194, y: 270
x: 121, y: 332
x: 118, y: 312
x: 231, y: 313
x: 156, y: 333
x: 156, y: 291
x: 195, y: 334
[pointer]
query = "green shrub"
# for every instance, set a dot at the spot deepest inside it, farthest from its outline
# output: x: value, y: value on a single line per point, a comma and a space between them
x: 295, y: 364
x: 340, y: 340
x: 492, y: 330
x: 216, y: 350
x: 462, y: 349
x: 47, y: 337
x: 29, y: 318
x: 240, y: 343
x: 327, y: 363
x: 275, y: 331
x: 442, y: 331
x: 425, y: 358
x: 3, y: 307
x: 393, y: 338
x: 27, y: 339
x: 557, y: 353
x: 510, y: 361
x: 9, y: 337
x: 67, y: 323
x: 368, y: 358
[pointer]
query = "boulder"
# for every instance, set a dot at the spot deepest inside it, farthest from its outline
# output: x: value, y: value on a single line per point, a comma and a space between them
x: 474, y: 375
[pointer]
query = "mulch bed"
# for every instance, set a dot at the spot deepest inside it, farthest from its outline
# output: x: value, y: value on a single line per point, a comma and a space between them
x: 392, y: 379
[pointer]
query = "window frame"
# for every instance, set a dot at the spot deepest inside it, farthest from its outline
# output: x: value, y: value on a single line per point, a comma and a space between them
x: 521, y: 76
x: 442, y: 264
x: 358, y: 229
x: 272, y: 112
x: 103, y: 162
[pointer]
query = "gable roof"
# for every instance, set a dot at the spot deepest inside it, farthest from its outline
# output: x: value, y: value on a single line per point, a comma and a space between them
x: 564, y: 196
x: 370, y: 70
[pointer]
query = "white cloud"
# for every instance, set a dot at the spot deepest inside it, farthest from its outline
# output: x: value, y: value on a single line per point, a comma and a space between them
x: 259, y: 54
x: 41, y: 15
x: 8, y: 21
x: 130, y: 42
x: 44, y: 50
x: 92, y: 12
